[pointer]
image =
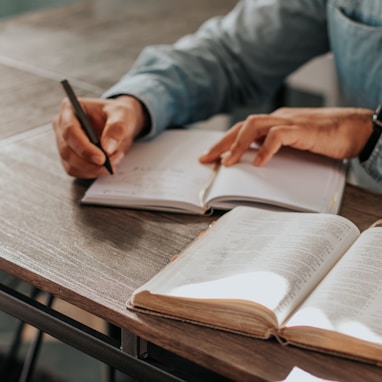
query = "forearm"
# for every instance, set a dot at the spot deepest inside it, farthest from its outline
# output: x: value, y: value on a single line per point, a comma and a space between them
x: 240, y: 58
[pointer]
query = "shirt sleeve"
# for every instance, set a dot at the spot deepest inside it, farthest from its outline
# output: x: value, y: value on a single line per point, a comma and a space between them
x: 229, y: 62
x: 373, y: 165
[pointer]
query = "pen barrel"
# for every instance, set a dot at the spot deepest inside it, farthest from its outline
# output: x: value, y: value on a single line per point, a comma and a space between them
x: 84, y: 121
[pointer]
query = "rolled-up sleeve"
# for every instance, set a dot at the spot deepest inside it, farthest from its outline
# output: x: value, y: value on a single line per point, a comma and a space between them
x: 229, y: 62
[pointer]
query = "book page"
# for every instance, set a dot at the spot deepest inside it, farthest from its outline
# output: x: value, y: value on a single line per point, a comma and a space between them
x: 272, y: 258
x: 161, y: 172
x: 349, y: 299
x: 293, y: 179
x: 299, y: 375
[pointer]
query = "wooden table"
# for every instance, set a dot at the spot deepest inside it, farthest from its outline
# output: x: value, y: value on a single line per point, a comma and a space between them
x: 94, y: 257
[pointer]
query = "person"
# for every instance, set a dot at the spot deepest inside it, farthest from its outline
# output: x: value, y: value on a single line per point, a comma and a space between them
x: 240, y: 58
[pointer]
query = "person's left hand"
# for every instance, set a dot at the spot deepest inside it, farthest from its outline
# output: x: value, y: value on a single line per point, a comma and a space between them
x: 334, y: 132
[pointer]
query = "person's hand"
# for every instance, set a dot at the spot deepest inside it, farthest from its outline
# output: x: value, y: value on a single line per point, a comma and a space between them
x: 116, y: 121
x: 335, y: 132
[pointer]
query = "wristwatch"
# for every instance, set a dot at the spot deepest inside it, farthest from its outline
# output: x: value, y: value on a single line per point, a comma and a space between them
x: 377, y: 131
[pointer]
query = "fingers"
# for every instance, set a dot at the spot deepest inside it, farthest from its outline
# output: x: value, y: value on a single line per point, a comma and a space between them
x: 222, y: 146
x: 116, y: 122
x: 78, y: 154
x: 240, y: 137
x: 278, y: 136
x: 254, y: 128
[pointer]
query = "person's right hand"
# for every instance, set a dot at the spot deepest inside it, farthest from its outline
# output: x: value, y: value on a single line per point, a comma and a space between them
x: 116, y: 121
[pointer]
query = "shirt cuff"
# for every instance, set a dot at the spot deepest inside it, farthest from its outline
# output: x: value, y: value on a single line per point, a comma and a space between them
x: 373, y: 165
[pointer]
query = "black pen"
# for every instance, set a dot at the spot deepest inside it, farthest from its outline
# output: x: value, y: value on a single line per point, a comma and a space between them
x: 84, y: 121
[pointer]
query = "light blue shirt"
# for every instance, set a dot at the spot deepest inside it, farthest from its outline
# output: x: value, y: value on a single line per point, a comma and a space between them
x: 245, y: 56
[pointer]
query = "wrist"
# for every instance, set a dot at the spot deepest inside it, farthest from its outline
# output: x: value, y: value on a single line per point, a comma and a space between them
x: 376, y: 123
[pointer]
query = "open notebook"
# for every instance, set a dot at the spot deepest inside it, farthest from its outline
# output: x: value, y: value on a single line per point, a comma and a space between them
x: 164, y: 174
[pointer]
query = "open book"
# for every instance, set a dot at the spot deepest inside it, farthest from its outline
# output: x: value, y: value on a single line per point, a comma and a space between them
x: 165, y: 174
x: 308, y: 279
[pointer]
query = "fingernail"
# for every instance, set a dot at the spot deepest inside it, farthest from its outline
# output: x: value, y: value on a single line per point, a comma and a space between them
x: 111, y: 145
x: 96, y: 159
x: 117, y: 158
x: 227, y: 159
x: 257, y: 160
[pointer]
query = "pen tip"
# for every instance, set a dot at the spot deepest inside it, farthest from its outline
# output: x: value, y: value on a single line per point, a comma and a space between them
x: 108, y: 166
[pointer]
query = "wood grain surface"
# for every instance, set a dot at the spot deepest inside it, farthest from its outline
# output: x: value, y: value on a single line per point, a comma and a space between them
x: 94, y: 257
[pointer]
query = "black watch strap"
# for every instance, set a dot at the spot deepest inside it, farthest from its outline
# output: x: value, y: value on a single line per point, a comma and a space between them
x: 374, y: 137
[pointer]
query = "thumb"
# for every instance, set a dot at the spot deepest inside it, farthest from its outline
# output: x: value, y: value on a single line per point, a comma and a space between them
x: 110, y: 145
x: 114, y: 134
x: 124, y: 120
